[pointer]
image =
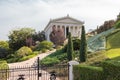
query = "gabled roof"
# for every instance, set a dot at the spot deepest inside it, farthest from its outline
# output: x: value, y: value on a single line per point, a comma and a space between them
x: 67, y: 19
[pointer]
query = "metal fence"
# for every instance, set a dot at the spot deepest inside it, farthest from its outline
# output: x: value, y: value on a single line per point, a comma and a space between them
x: 39, y: 72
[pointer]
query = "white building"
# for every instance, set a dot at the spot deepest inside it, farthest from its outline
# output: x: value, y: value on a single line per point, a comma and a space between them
x: 67, y: 24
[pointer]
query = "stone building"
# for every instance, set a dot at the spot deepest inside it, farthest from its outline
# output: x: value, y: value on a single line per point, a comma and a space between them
x: 67, y: 24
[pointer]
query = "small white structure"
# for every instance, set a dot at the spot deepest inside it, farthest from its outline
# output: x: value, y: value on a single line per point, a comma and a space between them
x: 67, y: 24
x: 71, y: 63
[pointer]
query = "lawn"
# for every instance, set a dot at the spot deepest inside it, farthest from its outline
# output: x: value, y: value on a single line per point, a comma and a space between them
x: 112, y: 53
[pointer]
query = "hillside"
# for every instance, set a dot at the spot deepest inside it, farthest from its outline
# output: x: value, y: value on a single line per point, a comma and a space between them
x: 97, y: 42
x: 113, y: 44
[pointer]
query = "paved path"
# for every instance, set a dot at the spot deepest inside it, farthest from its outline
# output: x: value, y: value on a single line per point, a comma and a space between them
x: 13, y: 75
x: 31, y: 61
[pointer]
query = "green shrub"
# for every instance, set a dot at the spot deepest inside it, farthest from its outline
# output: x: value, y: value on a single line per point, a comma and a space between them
x: 117, y: 24
x: 112, y: 69
x: 54, y: 58
x: 3, y: 52
x: 50, y: 61
x: 44, y: 50
x: 3, y: 70
x: 24, y: 51
x: 27, y: 57
x: 84, y: 72
x: 44, y: 45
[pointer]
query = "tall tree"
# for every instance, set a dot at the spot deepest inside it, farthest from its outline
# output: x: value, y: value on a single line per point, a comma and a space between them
x: 17, y: 38
x: 70, y: 47
x: 39, y: 36
x: 83, y: 46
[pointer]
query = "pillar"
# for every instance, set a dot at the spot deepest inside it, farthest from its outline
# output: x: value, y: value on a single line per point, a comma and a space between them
x: 71, y: 63
x: 65, y: 31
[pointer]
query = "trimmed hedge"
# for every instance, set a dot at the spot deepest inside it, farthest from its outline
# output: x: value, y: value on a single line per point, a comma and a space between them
x: 112, y: 69
x: 84, y: 72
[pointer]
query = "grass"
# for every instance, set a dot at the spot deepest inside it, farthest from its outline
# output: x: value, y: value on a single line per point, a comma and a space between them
x: 112, y: 53
x: 55, y: 58
x: 19, y: 59
x: 113, y: 44
x: 113, y: 40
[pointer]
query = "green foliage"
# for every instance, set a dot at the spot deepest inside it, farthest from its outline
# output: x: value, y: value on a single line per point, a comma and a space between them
x: 44, y: 45
x: 96, y: 58
x: 83, y: 46
x: 50, y: 61
x: 38, y: 36
x: 28, y: 57
x: 3, y: 67
x: 3, y: 53
x: 54, y: 58
x: 24, y: 51
x: 76, y: 43
x: 113, y: 39
x: 4, y: 49
x: 84, y: 72
x: 112, y: 69
x: 16, y: 58
x: 70, y: 48
x: 17, y: 38
x: 117, y: 24
x: 44, y: 50
x: 4, y: 44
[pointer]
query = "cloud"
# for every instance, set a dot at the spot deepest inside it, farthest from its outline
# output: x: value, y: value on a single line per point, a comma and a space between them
x: 36, y: 13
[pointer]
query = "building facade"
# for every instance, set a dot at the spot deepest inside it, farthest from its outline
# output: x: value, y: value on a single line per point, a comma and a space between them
x: 66, y: 24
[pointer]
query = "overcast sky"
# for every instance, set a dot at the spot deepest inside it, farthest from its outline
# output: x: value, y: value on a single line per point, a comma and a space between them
x: 37, y: 13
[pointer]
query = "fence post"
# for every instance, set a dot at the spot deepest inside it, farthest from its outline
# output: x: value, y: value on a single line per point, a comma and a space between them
x: 71, y: 63
x: 38, y: 67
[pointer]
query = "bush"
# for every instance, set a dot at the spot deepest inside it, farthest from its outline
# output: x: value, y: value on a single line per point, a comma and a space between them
x: 84, y: 72
x: 24, y: 51
x: 44, y: 50
x: 54, y: 58
x: 44, y: 45
x: 112, y: 69
x: 3, y: 52
x: 50, y: 61
x: 3, y: 70
x: 117, y: 24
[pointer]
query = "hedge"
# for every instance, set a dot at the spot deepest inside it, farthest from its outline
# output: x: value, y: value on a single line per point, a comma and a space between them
x: 3, y: 70
x: 84, y: 72
x: 112, y: 69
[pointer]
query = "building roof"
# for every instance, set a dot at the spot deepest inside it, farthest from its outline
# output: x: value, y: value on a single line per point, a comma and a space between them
x: 67, y: 19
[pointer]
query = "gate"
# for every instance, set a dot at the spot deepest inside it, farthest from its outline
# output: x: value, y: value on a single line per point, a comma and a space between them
x: 36, y: 72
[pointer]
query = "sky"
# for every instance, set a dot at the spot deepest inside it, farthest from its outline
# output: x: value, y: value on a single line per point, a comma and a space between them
x: 37, y: 13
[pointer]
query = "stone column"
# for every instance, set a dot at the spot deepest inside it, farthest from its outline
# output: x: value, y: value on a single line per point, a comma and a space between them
x: 73, y: 30
x: 65, y: 31
x: 71, y: 63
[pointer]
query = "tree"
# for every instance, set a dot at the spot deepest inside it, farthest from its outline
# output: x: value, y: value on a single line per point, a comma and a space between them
x: 4, y: 49
x: 4, y: 44
x: 75, y: 44
x: 70, y: 47
x: 57, y: 37
x: 83, y: 46
x: 38, y: 36
x: 17, y: 38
